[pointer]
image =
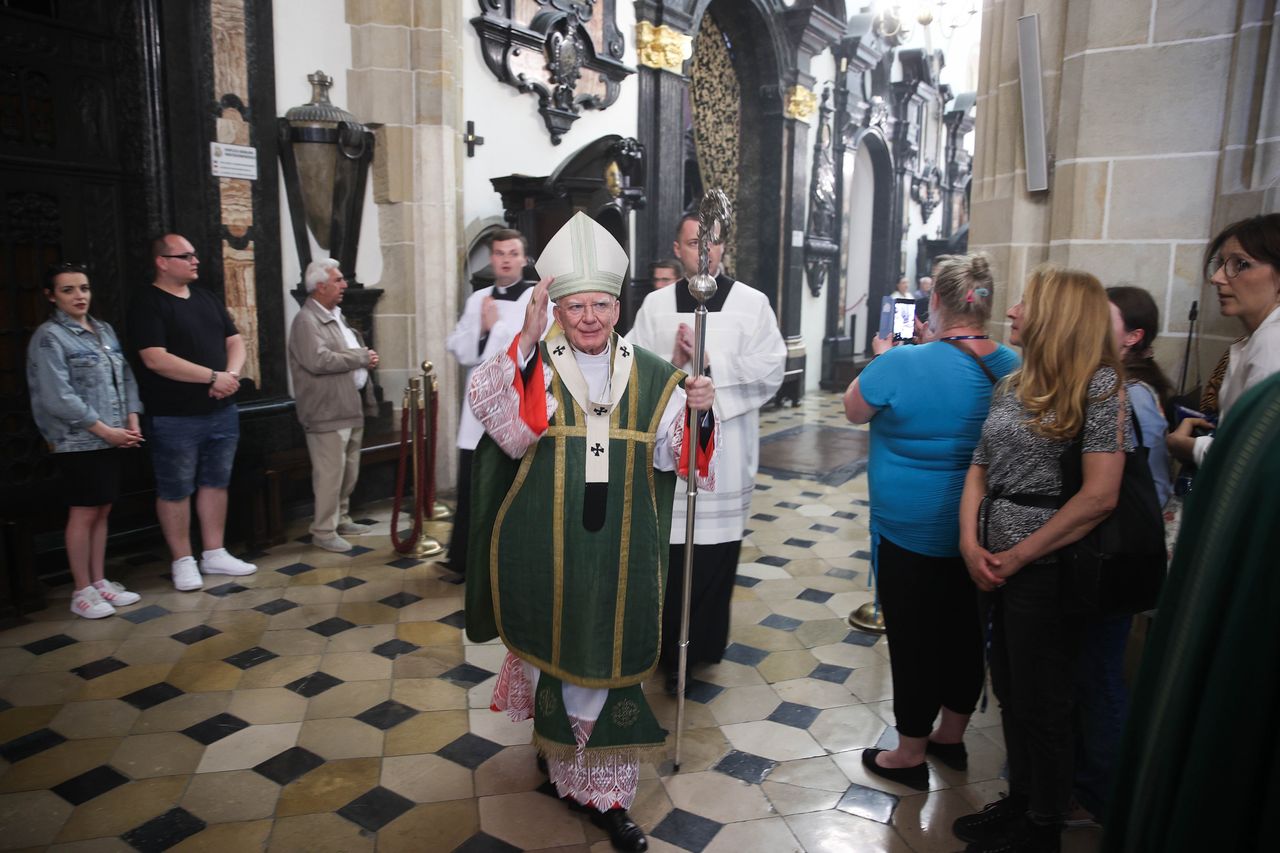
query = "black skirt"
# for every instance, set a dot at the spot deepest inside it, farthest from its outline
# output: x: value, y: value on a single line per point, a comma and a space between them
x: 90, y: 477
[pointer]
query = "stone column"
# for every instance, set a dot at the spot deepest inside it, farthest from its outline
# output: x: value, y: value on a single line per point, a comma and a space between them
x: 1006, y: 221
x: 812, y: 30
x: 799, y: 104
x: 661, y: 53
x: 1161, y: 128
x: 407, y: 68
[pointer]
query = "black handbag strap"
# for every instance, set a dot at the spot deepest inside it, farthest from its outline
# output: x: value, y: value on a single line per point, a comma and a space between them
x: 994, y: 379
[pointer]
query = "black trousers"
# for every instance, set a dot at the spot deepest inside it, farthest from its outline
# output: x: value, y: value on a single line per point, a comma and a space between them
x: 1034, y: 647
x: 461, y: 514
x: 934, y: 625
x: 714, y: 569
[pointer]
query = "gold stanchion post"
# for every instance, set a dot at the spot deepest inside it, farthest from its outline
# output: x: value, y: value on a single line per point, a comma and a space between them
x: 422, y: 390
x: 867, y: 618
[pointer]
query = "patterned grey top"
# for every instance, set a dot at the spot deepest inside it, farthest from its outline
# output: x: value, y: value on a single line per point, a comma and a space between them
x: 1020, y: 460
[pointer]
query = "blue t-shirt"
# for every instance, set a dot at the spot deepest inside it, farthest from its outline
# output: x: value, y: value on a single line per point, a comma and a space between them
x: 932, y: 400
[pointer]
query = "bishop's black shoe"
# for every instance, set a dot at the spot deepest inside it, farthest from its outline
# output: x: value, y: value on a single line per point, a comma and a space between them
x: 994, y: 822
x: 624, y: 833
x: 1023, y: 836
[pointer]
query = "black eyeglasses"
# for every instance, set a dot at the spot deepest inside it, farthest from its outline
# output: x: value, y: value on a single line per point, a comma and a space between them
x: 1232, y: 266
x: 185, y: 256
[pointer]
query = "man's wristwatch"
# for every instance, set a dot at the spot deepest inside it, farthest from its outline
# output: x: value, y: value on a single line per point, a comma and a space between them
x: 213, y: 376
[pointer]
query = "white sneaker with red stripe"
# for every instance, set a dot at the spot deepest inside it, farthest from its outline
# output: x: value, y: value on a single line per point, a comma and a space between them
x: 115, y: 594
x: 87, y: 603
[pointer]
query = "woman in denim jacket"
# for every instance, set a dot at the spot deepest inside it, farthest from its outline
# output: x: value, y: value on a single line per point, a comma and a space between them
x: 85, y: 404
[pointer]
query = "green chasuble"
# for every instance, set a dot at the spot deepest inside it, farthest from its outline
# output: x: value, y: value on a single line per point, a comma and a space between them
x: 583, y: 606
x: 1199, y: 766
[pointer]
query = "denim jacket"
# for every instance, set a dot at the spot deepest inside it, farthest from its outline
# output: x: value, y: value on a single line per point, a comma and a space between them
x: 76, y: 379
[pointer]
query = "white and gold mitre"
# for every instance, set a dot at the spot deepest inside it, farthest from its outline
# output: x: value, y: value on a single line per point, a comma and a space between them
x: 583, y: 258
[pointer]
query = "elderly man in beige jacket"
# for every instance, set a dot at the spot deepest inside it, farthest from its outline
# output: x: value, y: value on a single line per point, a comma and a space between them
x: 330, y: 365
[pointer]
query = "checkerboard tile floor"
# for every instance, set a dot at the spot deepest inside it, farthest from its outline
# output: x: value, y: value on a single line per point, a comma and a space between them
x: 332, y: 702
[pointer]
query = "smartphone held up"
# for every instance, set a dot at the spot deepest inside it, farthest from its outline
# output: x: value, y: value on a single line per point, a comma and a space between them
x: 904, y: 320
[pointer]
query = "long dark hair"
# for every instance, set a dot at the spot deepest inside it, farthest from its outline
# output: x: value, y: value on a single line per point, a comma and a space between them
x: 1140, y: 314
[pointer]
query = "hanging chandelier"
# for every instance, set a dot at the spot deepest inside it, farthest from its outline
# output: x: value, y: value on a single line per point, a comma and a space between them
x: 896, y: 20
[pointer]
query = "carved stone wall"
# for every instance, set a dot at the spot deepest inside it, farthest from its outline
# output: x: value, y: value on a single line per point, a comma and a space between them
x: 1161, y: 128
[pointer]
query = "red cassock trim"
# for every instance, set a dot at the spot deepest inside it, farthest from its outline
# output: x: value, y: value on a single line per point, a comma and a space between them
x: 704, y: 454
x: 533, y: 397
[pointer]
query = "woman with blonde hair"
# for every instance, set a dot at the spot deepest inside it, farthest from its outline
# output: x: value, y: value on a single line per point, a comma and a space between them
x: 1013, y: 518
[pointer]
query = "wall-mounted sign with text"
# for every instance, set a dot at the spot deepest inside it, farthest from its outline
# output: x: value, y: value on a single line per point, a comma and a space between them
x: 234, y: 161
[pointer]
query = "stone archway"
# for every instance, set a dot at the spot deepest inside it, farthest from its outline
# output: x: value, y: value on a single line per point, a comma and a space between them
x: 882, y: 273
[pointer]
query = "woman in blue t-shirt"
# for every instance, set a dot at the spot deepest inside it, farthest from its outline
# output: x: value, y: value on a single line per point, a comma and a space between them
x: 926, y: 405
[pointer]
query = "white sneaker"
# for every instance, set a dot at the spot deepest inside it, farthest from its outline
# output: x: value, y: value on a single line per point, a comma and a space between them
x: 87, y: 603
x: 219, y: 562
x: 353, y: 528
x: 333, y: 543
x: 186, y: 575
x: 115, y: 594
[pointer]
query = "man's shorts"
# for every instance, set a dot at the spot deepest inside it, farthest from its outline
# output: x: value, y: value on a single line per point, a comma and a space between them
x: 193, y: 450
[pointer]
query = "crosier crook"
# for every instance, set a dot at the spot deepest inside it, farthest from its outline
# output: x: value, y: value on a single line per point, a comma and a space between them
x: 714, y: 219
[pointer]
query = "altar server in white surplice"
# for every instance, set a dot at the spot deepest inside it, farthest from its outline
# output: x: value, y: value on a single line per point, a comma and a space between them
x: 491, y: 317
x: 746, y: 357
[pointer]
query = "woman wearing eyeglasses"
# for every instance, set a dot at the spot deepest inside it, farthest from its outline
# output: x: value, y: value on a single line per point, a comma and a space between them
x: 85, y: 404
x: 1243, y: 263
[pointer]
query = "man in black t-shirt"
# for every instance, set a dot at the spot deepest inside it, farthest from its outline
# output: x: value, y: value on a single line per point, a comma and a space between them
x: 191, y: 355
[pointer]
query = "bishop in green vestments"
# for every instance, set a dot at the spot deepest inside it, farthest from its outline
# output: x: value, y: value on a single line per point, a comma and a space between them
x: 1199, y: 767
x: 572, y: 491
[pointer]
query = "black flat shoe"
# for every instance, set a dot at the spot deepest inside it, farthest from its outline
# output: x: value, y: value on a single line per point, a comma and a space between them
x: 913, y: 777
x: 954, y: 755
x: 624, y: 833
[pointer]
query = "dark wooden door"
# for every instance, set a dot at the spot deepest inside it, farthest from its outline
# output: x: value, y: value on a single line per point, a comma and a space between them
x: 63, y: 186
x: 81, y: 179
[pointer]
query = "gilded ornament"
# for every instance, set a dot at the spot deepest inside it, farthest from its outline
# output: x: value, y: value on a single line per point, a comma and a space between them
x: 547, y: 702
x: 613, y: 179
x: 625, y: 714
x: 801, y: 102
x: 662, y: 47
